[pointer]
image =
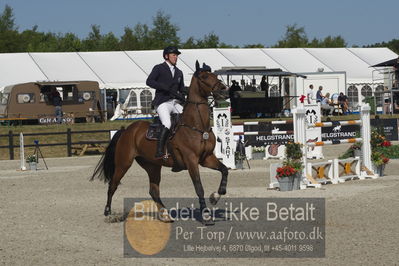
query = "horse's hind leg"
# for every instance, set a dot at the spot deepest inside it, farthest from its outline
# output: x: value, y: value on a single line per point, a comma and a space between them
x: 213, y: 163
x: 113, y: 185
x: 154, y: 174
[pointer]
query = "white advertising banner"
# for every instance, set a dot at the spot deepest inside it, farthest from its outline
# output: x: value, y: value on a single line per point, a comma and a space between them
x: 225, y: 144
x: 313, y: 115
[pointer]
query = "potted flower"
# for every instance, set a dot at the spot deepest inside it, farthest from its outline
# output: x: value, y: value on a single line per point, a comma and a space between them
x: 32, y: 161
x: 258, y: 153
x: 289, y: 174
x: 379, y: 161
x: 356, y: 149
x: 239, y: 159
x: 379, y: 149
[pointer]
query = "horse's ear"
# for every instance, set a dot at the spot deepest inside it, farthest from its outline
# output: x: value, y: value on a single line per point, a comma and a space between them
x: 205, y: 67
x: 197, y: 66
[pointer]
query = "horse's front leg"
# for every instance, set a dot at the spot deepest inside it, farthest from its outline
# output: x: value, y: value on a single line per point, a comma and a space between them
x: 205, y: 216
x: 213, y: 163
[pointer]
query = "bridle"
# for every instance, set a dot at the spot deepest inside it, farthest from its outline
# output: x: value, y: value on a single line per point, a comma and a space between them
x: 205, y: 132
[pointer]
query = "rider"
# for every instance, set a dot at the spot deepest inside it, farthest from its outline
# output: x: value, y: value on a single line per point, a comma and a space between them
x: 168, y: 82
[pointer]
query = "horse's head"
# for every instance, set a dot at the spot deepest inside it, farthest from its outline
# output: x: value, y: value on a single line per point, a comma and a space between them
x: 209, y: 82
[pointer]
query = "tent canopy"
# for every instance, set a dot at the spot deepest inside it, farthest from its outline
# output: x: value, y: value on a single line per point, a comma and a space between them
x: 392, y: 62
x: 130, y: 69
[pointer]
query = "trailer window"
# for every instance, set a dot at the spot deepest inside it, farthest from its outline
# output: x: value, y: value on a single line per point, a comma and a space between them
x: 26, y: 98
x: 86, y: 96
x: 4, y: 98
x: 69, y: 94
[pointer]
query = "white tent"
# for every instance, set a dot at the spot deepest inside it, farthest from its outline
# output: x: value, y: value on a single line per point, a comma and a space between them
x: 296, y: 60
x: 148, y: 59
x: 338, y: 59
x: 115, y: 69
x: 63, y: 67
x: 131, y: 68
x: 18, y: 68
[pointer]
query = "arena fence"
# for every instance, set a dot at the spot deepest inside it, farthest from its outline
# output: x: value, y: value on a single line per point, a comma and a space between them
x: 13, y: 144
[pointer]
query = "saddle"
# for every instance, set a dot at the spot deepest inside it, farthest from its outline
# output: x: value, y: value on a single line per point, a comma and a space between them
x: 154, y: 131
x: 155, y: 128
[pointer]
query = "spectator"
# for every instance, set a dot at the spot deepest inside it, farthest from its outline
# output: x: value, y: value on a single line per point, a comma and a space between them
x: 234, y: 87
x: 57, y: 102
x: 264, y: 86
x: 343, y: 102
x: 319, y: 95
x: 310, y: 94
x: 396, y: 75
x: 327, y: 105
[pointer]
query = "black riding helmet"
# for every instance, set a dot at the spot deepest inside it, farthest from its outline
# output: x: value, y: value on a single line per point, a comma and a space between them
x: 170, y: 50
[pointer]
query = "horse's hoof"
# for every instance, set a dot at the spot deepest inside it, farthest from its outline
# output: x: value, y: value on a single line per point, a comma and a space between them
x: 222, y: 191
x: 107, y: 211
x: 214, y: 198
x: 163, y: 216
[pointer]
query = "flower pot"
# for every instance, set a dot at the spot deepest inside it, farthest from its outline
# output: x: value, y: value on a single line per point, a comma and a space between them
x: 239, y: 164
x: 379, y: 170
x: 33, y: 166
x: 382, y: 169
x: 297, y: 181
x: 285, y: 183
x: 258, y: 155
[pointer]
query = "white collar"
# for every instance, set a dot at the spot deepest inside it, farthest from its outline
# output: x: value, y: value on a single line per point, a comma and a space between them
x: 170, y: 65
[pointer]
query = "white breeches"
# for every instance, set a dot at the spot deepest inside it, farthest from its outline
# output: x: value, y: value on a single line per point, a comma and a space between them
x: 165, y: 109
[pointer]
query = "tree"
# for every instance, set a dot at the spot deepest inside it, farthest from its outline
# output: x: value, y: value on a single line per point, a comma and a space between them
x: 9, y: 41
x: 210, y: 40
x: 294, y: 37
x: 7, y: 21
x: 258, y: 45
x: 110, y: 42
x: 69, y: 43
x: 331, y: 41
x: 392, y: 44
x: 163, y: 33
x: 128, y: 40
x: 93, y: 41
x: 190, y: 43
x: 142, y: 33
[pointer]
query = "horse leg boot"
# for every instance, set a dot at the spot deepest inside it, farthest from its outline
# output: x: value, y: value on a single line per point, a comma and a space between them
x: 160, y: 153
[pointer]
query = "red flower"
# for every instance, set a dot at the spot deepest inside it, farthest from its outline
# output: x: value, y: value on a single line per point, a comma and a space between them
x: 286, y: 170
x: 385, y: 160
x: 386, y: 143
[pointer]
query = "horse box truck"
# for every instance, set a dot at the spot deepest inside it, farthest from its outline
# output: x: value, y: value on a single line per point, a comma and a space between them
x: 34, y: 100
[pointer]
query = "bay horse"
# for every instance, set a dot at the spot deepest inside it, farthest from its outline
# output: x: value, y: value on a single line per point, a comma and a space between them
x: 191, y: 145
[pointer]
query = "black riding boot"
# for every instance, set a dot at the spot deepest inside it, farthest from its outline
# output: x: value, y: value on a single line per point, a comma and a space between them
x: 161, y: 142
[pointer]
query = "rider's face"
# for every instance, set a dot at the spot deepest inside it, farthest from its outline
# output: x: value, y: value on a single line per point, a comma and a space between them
x: 172, y: 58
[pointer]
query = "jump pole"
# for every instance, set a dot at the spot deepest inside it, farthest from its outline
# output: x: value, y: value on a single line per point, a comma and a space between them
x: 22, y: 152
x: 300, y: 135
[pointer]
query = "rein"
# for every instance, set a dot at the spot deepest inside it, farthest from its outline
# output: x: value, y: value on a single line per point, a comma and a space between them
x: 204, y: 132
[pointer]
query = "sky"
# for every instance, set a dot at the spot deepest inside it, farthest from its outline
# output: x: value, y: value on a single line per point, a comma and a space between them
x: 359, y: 22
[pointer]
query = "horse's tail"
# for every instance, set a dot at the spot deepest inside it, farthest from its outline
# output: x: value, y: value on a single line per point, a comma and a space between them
x: 106, y: 166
